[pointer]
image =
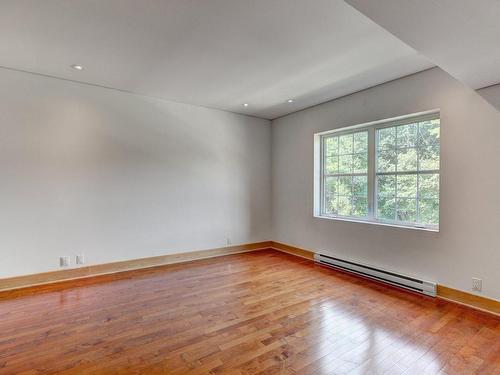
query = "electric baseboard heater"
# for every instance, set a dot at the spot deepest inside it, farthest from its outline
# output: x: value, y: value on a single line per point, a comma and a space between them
x: 393, y: 278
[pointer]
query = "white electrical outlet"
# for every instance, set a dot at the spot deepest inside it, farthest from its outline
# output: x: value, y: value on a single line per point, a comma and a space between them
x: 80, y: 259
x: 477, y: 284
x: 64, y: 261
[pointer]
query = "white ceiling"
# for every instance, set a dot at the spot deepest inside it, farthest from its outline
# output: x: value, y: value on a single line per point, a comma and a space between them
x: 215, y: 53
x: 461, y: 36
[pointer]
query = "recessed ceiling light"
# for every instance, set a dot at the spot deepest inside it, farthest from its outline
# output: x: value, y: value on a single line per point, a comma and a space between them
x: 290, y: 101
x: 245, y: 104
x: 77, y: 67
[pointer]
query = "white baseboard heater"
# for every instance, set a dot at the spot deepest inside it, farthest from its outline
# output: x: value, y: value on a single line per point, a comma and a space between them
x: 393, y: 278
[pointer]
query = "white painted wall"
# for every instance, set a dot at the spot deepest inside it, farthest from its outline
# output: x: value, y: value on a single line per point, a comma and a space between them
x: 468, y: 244
x: 118, y: 176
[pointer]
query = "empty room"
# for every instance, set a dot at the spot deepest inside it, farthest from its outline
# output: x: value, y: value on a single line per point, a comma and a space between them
x: 249, y: 187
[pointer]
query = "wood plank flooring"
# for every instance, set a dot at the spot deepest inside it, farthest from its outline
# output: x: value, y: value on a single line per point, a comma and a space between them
x: 256, y: 313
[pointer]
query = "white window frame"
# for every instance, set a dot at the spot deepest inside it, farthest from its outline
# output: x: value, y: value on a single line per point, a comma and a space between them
x: 371, y: 127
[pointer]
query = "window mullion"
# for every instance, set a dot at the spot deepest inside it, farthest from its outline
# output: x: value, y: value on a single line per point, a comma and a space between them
x: 322, y: 182
x: 371, y: 173
x: 418, y: 174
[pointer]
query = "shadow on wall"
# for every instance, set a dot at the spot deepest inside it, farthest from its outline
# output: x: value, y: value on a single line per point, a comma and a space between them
x: 492, y: 95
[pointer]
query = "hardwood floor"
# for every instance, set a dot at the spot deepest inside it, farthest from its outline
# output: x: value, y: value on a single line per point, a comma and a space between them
x: 256, y: 313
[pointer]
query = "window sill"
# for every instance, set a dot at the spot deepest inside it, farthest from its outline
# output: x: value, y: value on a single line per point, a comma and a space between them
x: 381, y: 223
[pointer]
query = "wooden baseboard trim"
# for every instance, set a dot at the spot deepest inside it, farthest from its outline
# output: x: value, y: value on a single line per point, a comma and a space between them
x: 468, y: 299
x: 453, y: 295
x: 28, y: 281
x: 307, y: 254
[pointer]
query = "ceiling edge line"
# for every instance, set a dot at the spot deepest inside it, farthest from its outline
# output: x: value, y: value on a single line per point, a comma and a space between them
x: 357, y: 92
x: 127, y: 92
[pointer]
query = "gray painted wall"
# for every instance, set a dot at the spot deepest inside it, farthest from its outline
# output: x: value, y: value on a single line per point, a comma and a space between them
x: 468, y: 242
x: 491, y: 94
x: 118, y: 176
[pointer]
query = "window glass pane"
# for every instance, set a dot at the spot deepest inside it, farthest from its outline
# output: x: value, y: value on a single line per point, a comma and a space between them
x: 407, y: 186
x: 331, y: 205
x: 345, y: 186
x: 360, y: 186
x: 345, y: 164
x: 359, y: 207
x: 386, y: 138
x: 386, y: 208
x: 407, y: 160
x: 344, y: 206
x: 429, y: 132
x: 332, y: 165
x: 429, y: 211
x: 407, y: 135
x: 417, y: 149
x: 360, y: 163
x: 386, y: 161
x: 346, y: 144
x: 360, y: 142
x: 331, y: 186
x: 330, y: 193
x: 331, y: 146
x: 428, y: 185
x: 406, y: 210
x: 386, y: 186
x: 429, y: 157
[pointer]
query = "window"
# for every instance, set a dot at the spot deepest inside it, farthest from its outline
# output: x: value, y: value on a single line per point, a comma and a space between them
x: 385, y: 172
x: 345, y: 174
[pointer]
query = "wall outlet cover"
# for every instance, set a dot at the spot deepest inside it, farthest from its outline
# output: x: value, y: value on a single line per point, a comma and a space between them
x: 64, y: 261
x: 80, y: 259
x: 477, y: 284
